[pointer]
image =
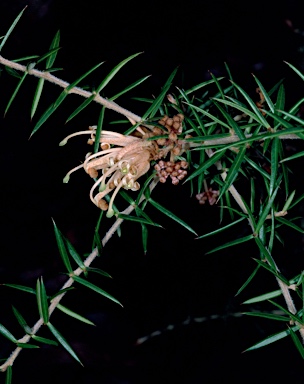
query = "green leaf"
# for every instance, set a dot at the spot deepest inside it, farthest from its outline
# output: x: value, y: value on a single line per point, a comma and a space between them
x: 279, y: 120
x: 190, y: 121
x: 42, y: 301
x: 54, y: 45
x: 144, y: 237
x: 295, y: 156
x: 60, y: 99
x: 248, y: 280
x: 37, y: 96
x: 104, y: 82
x: 95, y: 288
x: 203, y: 167
x: 231, y: 243
x: 289, y: 201
x: 166, y: 212
x: 137, y: 219
x: 129, y: 87
x: 21, y: 288
x: 27, y: 346
x: 264, y: 297
x: 21, y: 321
x: 292, y: 117
x: 49, y: 63
x: 6, y: 333
x: 240, y: 108
x: 233, y: 171
x: 201, y: 85
x: 8, y: 376
x: 280, y: 103
x: 253, y: 106
x: 274, y: 164
x: 273, y: 270
x: 11, y: 28
x: 212, y: 117
x: 61, y: 291
x: 257, y: 167
x: 62, y: 248
x: 221, y: 229
x: 265, y: 94
x: 74, y: 254
x: 99, y: 271
x: 63, y: 342
x: 152, y: 110
x: 295, y: 69
x: 230, y: 77
x: 96, y: 239
x: 271, y: 339
x: 266, y: 210
x: 75, y: 315
x: 118, y: 67
x: 13, y: 73
x: 232, y: 123
x: 98, y: 130
x: 266, y: 315
x: 297, y: 342
x: 291, y: 315
x: 289, y: 224
x: 44, y: 340
x: 27, y: 58
x: 15, y: 93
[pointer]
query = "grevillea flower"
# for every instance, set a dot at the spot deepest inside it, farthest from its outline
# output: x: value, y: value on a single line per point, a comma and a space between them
x: 120, y: 165
x: 123, y: 159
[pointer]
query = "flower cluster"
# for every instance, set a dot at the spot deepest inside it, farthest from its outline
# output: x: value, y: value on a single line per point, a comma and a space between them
x: 210, y: 195
x: 170, y: 143
x: 125, y: 158
x: 176, y: 170
x: 120, y: 165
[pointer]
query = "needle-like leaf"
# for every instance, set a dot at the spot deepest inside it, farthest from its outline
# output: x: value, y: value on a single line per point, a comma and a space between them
x: 11, y: 28
x: 63, y: 342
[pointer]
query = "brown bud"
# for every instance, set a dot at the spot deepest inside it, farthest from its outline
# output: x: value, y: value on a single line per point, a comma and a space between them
x: 176, y: 125
x: 169, y: 122
x: 161, y: 141
x: 92, y: 172
x: 157, y: 131
x: 175, y: 180
x: 103, y: 205
x: 184, y: 164
x: 173, y: 136
x: 105, y: 146
x: 169, y: 169
x: 176, y: 151
x: 162, y: 179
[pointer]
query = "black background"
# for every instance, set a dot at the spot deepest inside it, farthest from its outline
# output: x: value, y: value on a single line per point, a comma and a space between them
x: 175, y: 279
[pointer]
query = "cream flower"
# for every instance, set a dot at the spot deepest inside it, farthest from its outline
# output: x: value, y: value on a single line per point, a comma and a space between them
x: 120, y: 165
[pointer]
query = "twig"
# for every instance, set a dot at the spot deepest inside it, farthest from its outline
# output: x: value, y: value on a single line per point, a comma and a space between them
x: 78, y: 91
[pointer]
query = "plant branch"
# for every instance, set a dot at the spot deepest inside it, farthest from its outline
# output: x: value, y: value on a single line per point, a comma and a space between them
x: 76, y: 90
x: 88, y: 261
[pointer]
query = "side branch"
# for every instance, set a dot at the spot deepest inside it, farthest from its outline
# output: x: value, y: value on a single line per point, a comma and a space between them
x: 78, y: 91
